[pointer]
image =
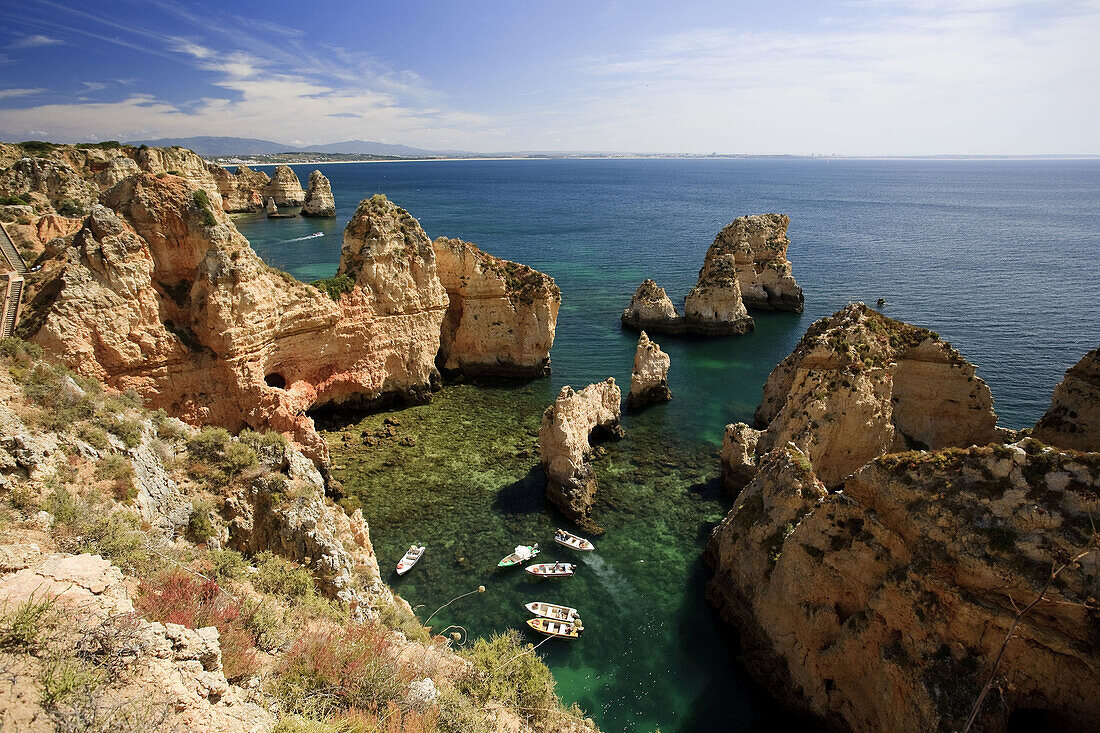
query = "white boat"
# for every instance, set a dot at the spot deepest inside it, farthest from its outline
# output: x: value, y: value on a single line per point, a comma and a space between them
x: 553, y: 611
x: 552, y: 570
x: 523, y: 552
x: 416, y: 551
x: 559, y: 629
x: 572, y: 541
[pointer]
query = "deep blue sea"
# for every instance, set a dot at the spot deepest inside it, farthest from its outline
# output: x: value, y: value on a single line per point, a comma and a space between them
x: 1000, y: 257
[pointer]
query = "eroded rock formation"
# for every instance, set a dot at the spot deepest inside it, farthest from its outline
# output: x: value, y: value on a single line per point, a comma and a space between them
x: 66, y: 178
x: 649, y: 377
x: 502, y: 315
x: 285, y: 187
x: 1073, y: 420
x: 859, y: 385
x: 758, y: 245
x: 564, y: 446
x: 159, y: 292
x: 884, y: 605
x: 650, y: 307
x: 319, y: 202
x: 714, y: 306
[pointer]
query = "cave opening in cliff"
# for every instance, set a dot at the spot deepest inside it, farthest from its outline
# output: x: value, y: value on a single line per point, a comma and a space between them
x: 275, y: 380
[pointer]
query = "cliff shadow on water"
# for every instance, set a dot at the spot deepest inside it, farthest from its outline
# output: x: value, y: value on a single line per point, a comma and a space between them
x: 462, y: 475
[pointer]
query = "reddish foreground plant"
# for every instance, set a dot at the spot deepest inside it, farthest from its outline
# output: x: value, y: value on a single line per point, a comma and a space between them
x: 179, y: 598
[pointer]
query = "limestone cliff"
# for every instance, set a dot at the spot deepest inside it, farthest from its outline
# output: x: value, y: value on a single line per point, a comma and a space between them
x: 285, y: 187
x: 882, y: 606
x: 160, y: 293
x: 649, y: 377
x: 565, y: 449
x: 501, y: 317
x: 758, y: 245
x: 859, y: 385
x: 65, y: 178
x: 1073, y: 420
x: 319, y: 202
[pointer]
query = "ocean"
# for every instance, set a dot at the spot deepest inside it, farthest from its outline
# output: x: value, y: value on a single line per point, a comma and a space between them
x: 1000, y: 257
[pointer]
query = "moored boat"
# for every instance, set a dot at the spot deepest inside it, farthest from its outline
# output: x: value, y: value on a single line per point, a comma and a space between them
x: 559, y: 629
x: 415, y: 552
x: 572, y: 541
x: 552, y: 570
x: 522, y: 554
x: 553, y: 611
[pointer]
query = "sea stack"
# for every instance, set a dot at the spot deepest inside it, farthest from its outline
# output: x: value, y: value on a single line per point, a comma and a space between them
x: 652, y: 308
x: 271, y: 208
x: 319, y: 202
x: 285, y: 187
x: 758, y: 245
x: 714, y: 306
x: 501, y: 317
x: 564, y: 446
x: 649, y: 377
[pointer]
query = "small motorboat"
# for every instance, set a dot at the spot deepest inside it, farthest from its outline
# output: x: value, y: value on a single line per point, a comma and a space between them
x: 552, y: 570
x: 523, y: 553
x: 572, y: 541
x: 553, y: 611
x: 559, y: 629
x: 416, y: 551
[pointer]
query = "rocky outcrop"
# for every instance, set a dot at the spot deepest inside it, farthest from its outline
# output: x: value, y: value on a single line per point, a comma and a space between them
x: 270, y: 207
x: 285, y: 187
x: 758, y: 245
x: 1073, y: 420
x: 564, y: 446
x: 241, y: 191
x: 883, y: 605
x: 157, y: 676
x: 714, y: 306
x: 160, y: 293
x: 65, y: 177
x: 650, y: 307
x: 859, y: 385
x: 319, y: 202
x: 649, y: 377
x: 501, y: 316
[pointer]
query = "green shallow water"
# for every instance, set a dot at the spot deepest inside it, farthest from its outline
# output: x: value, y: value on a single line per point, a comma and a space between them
x: 653, y: 653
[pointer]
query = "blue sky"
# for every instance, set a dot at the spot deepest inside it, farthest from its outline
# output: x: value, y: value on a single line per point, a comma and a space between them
x: 860, y: 77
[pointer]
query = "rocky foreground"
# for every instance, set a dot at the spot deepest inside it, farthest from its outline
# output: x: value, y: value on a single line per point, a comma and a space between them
x: 155, y: 290
x: 161, y: 577
x: 887, y: 537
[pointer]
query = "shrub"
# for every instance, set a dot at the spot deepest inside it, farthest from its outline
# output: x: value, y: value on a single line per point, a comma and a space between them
x: 334, y: 286
x: 105, y: 145
x: 130, y: 431
x: 505, y: 668
x: 202, y: 200
x: 93, y: 436
x: 281, y: 577
x: 84, y: 526
x: 21, y: 626
x: 120, y: 473
x: 19, y: 200
x: 328, y: 671
x: 200, y: 526
x: 180, y: 598
x: 68, y: 207
x: 226, y: 564
x: 209, y: 444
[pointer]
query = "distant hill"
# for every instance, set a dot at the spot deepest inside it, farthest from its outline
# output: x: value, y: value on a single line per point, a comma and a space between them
x: 214, y: 146
x: 221, y: 146
x: 369, y: 147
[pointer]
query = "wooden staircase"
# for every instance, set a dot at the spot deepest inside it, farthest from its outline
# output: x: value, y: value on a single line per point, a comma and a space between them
x: 11, y: 309
x: 11, y: 254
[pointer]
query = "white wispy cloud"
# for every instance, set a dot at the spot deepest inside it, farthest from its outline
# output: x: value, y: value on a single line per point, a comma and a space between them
x: 8, y: 93
x: 34, y: 41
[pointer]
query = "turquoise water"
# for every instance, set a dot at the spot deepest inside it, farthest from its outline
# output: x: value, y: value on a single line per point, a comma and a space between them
x: 999, y: 257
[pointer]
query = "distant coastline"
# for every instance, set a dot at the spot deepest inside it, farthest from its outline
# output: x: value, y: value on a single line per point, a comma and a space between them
x: 226, y: 161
